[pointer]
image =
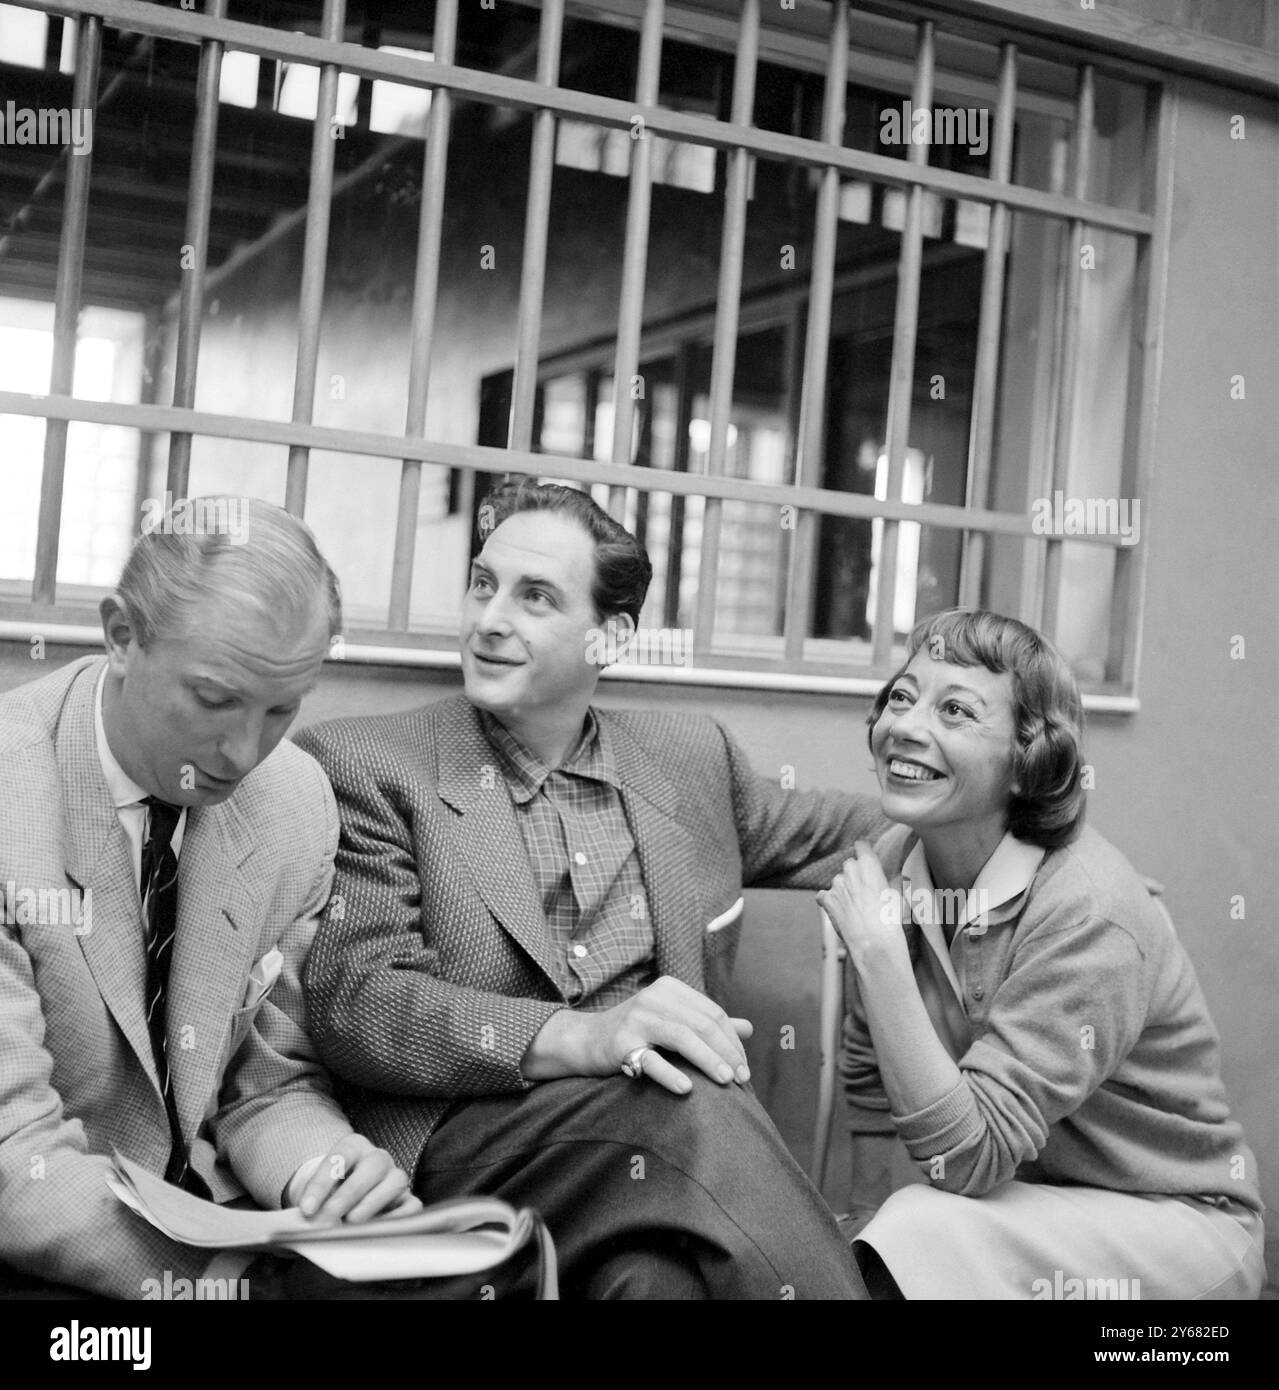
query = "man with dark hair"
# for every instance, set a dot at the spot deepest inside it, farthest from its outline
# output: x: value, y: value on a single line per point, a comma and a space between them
x: 162, y: 865
x: 531, y: 897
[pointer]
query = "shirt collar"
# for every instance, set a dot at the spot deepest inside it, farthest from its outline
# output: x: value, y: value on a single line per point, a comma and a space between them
x: 998, y: 889
x: 124, y: 790
x: 526, y: 773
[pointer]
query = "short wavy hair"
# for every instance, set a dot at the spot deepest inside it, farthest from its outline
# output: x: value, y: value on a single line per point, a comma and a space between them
x: 622, y: 567
x: 1048, y: 757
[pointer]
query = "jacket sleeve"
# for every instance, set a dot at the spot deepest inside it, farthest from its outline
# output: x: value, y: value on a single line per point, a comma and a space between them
x: 275, y: 1107
x: 795, y: 839
x: 382, y: 1015
x: 1070, y: 1010
x: 58, y: 1219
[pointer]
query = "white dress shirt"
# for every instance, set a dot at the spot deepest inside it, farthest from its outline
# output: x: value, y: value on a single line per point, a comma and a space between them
x: 126, y: 795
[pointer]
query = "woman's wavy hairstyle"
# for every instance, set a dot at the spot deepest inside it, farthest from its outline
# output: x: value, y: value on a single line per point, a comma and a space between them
x: 1048, y: 714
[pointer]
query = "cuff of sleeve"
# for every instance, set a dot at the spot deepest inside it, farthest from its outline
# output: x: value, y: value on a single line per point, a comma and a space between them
x: 541, y: 1014
x: 940, y: 1128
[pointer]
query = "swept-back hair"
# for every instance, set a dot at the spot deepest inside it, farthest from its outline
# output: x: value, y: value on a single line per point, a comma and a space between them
x: 622, y: 568
x: 270, y: 561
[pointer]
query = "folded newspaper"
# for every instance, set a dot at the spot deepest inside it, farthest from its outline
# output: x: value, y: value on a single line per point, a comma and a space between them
x: 460, y: 1236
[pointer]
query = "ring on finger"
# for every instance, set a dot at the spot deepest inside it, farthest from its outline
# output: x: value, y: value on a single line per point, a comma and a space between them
x: 633, y: 1062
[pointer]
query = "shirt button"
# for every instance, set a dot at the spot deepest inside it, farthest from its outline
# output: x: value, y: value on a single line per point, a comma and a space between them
x: 979, y: 992
x: 579, y: 951
x: 579, y: 858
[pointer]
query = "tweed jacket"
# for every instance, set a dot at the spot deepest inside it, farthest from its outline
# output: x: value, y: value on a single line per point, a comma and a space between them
x: 431, y: 973
x: 77, y: 1072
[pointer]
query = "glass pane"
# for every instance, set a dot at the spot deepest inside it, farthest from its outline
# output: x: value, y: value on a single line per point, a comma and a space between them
x: 1118, y: 160
x: 351, y: 506
x: 1025, y: 422
x: 235, y: 468
x: 101, y: 477
x: 99, y: 506
x: 1081, y: 624
x: 936, y: 468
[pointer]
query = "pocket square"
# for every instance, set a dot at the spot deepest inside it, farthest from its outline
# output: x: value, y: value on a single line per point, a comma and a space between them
x: 263, y: 975
x: 726, y: 919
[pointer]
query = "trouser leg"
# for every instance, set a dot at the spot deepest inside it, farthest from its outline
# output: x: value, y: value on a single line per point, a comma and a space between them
x: 696, y: 1192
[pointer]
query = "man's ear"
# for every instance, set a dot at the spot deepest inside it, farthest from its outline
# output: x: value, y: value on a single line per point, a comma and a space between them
x: 117, y: 631
x: 619, y: 631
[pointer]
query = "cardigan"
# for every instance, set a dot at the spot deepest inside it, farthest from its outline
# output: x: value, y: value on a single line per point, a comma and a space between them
x: 1093, y: 1059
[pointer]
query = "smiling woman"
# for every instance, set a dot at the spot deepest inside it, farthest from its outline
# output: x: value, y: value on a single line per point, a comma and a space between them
x: 1022, y: 1016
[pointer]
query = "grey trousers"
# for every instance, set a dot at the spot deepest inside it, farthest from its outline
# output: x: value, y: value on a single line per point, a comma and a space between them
x: 648, y: 1194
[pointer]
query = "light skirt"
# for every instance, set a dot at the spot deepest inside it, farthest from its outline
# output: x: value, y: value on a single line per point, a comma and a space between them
x: 1036, y: 1240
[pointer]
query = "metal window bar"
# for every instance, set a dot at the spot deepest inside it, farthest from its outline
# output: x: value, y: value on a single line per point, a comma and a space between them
x: 154, y: 21
x: 902, y: 372
x: 1150, y: 274
x: 630, y: 314
x: 1068, y: 372
x: 808, y: 456
x: 986, y: 369
x: 487, y: 459
x: 315, y: 251
x: 679, y: 464
x: 727, y: 315
x: 199, y: 204
x: 499, y: 90
x: 66, y: 314
x: 536, y: 219
x: 426, y: 281
x: 1039, y: 464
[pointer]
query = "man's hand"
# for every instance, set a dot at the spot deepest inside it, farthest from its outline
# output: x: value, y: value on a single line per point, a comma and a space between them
x: 352, y: 1182
x: 667, y: 1014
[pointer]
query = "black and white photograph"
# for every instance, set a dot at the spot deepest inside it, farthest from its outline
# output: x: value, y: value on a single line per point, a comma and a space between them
x: 632, y: 633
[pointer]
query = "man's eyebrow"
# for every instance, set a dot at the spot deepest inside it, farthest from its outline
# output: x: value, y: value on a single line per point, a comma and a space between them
x: 534, y: 581
x: 525, y: 581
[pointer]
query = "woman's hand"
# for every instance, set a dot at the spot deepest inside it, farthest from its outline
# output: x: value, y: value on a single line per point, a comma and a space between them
x: 915, y: 1068
x: 867, y: 914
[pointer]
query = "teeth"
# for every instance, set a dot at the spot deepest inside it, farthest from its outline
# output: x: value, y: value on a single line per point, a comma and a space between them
x: 911, y: 771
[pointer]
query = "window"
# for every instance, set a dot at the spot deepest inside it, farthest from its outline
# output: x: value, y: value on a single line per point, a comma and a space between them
x: 843, y: 313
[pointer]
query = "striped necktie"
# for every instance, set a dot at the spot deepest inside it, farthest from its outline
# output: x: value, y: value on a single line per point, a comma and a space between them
x: 160, y: 914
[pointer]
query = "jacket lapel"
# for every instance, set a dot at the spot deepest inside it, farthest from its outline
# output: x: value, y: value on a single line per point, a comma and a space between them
x: 486, y: 832
x: 672, y: 881
x: 97, y: 860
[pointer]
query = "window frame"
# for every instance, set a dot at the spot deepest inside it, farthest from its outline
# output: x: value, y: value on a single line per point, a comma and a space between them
x: 739, y: 141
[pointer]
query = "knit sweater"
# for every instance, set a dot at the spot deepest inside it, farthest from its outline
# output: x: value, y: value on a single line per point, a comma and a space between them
x: 1093, y: 1058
